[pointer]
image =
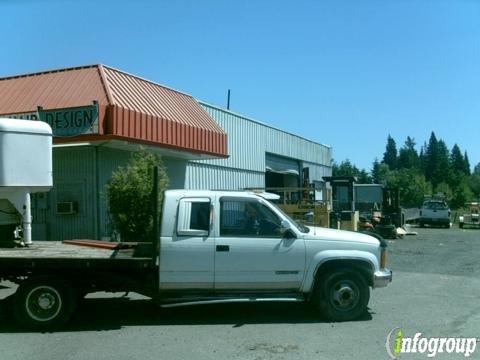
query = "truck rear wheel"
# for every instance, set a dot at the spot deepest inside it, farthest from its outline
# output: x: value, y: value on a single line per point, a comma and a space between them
x: 342, y: 295
x: 43, y: 303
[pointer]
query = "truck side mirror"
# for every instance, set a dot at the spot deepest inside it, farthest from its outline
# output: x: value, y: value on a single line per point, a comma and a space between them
x: 284, y: 226
x: 286, y: 230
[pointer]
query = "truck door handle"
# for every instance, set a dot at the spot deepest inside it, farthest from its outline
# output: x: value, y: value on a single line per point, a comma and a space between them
x: 223, y: 248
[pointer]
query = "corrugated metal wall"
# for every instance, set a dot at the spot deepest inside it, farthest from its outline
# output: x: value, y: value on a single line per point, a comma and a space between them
x: 248, y: 142
x: 317, y: 172
x: 73, y: 181
x: 205, y: 176
x: 81, y: 175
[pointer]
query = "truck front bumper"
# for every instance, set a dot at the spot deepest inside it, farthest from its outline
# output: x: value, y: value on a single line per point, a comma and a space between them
x: 382, y: 278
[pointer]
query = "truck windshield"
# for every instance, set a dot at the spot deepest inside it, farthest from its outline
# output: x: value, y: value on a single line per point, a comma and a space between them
x: 300, y: 227
x: 435, y: 205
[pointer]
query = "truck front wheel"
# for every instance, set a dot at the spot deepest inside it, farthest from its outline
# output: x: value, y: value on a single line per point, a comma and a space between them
x: 342, y: 295
x: 43, y: 303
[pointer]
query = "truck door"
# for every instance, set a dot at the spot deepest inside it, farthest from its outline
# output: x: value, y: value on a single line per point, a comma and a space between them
x: 250, y: 251
x: 187, y: 258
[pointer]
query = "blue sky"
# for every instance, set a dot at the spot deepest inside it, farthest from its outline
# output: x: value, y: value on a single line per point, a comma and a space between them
x: 341, y: 72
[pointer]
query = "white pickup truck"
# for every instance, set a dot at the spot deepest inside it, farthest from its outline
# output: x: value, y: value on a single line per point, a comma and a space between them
x: 434, y: 212
x: 213, y: 246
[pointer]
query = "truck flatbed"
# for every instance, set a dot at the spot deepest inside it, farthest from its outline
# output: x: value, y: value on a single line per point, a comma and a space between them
x: 55, y: 254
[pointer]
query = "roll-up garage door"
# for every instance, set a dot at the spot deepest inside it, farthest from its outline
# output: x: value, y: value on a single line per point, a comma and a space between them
x: 281, y: 165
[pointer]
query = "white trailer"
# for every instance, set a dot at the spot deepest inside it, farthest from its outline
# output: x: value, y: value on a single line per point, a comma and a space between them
x: 25, y: 168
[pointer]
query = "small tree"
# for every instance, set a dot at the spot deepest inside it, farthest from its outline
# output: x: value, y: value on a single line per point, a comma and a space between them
x: 129, y: 194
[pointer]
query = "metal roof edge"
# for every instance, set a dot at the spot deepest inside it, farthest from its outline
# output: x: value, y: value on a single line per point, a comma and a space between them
x: 147, y: 80
x: 261, y: 123
x: 105, y: 83
x: 99, y: 66
x: 49, y: 71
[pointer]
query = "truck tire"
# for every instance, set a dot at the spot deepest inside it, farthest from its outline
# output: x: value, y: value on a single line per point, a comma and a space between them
x: 342, y: 295
x: 43, y: 304
x: 460, y: 225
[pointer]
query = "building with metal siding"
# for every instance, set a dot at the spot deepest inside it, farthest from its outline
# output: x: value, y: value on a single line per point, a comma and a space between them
x: 80, y: 175
x: 193, y: 138
x: 249, y: 143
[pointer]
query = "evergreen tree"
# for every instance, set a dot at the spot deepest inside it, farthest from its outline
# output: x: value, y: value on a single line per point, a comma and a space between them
x: 422, y: 157
x: 431, y: 158
x: 334, y: 168
x: 456, y: 160
x: 442, y: 170
x: 474, y: 182
x: 476, y: 169
x: 408, y: 157
x: 375, y: 173
x: 390, y: 155
x: 437, y: 164
x: 467, y: 164
x: 346, y: 168
x: 363, y: 177
x: 434, y: 169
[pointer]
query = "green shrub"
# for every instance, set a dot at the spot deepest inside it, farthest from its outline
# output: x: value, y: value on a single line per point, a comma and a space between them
x: 129, y: 196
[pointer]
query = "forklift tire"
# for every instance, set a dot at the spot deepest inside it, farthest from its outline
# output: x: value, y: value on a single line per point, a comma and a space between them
x: 43, y: 304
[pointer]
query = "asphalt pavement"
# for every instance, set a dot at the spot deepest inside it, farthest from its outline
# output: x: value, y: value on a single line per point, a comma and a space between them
x: 435, y: 291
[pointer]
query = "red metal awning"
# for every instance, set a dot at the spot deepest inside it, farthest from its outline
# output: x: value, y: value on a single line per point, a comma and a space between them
x: 130, y: 108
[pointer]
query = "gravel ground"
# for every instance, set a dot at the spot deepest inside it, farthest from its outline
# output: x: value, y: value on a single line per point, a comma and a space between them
x: 435, y: 291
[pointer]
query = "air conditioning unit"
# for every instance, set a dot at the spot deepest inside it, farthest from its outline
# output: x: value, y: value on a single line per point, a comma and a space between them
x: 67, y: 208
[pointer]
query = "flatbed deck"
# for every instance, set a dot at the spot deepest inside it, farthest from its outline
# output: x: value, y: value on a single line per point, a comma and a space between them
x: 56, y: 254
x: 56, y: 249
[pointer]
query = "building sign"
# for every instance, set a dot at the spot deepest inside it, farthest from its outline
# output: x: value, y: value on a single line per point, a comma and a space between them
x: 66, y: 122
x: 23, y: 116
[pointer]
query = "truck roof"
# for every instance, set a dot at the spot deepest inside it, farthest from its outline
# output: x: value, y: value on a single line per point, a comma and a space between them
x: 200, y: 193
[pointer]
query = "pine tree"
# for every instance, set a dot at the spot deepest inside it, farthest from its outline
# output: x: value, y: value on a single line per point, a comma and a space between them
x: 375, y: 173
x: 408, y: 157
x: 422, y: 158
x: 467, y: 164
x: 457, y: 160
x: 476, y: 169
x: 442, y: 170
x: 430, y: 159
x: 390, y: 155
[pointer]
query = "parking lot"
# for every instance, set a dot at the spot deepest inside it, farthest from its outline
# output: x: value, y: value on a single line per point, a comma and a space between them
x: 435, y: 291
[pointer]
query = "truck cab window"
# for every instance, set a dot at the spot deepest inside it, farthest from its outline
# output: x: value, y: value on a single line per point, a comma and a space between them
x: 200, y: 216
x: 194, y: 217
x: 244, y: 217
